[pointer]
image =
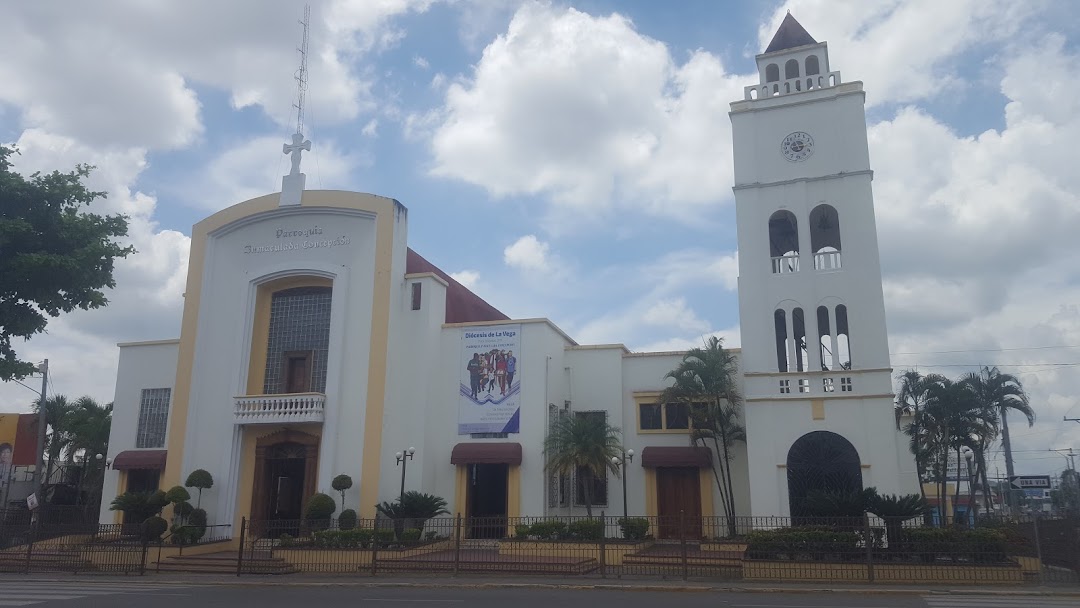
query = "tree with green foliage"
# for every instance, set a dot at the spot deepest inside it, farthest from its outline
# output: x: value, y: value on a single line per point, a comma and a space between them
x: 707, y: 381
x: 584, y: 445
x: 910, y: 400
x: 200, y: 479
x: 54, y: 256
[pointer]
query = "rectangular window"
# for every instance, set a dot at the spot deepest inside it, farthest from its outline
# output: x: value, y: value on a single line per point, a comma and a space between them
x: 153, y: 418
x: 827, y: 385
x: 651, y: 417
x: 785, y: 386
x: 416, y: 296
x: 676, y: 416
x: 804, y: 385
x: 845, y: 385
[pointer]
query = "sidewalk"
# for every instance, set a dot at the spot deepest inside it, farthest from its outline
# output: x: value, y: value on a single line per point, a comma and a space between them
x: 542, y: 582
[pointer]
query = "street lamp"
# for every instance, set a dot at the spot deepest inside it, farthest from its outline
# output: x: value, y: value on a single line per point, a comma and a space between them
x: 402, y: 459
x: 969, y: 456
x: 627, y: 456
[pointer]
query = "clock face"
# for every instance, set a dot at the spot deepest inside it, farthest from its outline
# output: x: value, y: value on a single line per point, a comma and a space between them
x: 797, y: 146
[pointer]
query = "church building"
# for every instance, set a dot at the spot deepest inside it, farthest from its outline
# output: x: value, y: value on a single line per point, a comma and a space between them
x: 316, y: 342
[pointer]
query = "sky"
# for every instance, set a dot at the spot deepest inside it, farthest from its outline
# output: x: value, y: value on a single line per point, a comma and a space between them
x: 572, y: 160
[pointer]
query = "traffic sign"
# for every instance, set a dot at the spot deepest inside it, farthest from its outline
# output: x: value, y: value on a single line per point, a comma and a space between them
x: 1033, y: 482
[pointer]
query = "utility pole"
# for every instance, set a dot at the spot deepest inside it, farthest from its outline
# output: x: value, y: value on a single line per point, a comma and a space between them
x: 39, y: 470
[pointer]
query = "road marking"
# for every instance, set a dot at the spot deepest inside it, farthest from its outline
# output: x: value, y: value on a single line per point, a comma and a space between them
x: 11, y: 603
x: 376, y: 599
x: 991, y: 601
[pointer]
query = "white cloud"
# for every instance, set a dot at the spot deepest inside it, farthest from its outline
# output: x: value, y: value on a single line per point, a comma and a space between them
x: 371, y: 129
x: 591, y: 114
x: 674, y: 313
x: 528, y: 253
x: 468, y: 278
x: 420, y: 62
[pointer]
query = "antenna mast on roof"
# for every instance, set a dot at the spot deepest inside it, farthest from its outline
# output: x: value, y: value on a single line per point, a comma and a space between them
x: 302, y: 75
x: 292, y: 185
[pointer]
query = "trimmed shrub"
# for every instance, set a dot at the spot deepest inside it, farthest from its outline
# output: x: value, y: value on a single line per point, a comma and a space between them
x: 200, y: 479
x: 340, y: 484
x: 318, y: 511
x: 522, y: 531
x: 177, y: 494
x: 548, y: 529
x: 347, y: 520
x: 410, y: 535
x: 153, y: 527
x: 431, y: 535
x: 285, y: 541
x: 196, y: 522
x: 183, y: 510
x: 804, y: 543
x: 383, y: 536
x: 634, y: 528
x: 586, y: 529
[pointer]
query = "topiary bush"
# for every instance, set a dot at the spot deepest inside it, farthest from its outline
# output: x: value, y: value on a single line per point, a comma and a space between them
x: 586, y: 529
x: 196, y: 522
x: 318, y: 511
x: 634, y: 528
x: 200, y: 479
x: 347, y: 520
x: 153, y: 527
x: 340, y: 484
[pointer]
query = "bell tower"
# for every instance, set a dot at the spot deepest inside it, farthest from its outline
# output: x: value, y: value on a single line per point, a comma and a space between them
x: 815, y: 351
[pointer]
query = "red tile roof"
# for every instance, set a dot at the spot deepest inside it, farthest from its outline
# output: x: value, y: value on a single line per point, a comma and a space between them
x: 462, y: 305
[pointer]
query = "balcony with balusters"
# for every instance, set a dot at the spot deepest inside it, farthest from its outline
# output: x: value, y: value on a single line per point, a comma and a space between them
x: 290, y: 408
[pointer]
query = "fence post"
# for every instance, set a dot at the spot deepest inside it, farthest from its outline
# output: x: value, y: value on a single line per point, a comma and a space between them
x: 1038, y: 547
x: 240, y: 551
x: 682, y: 545
x: 375, y: 547
x: 868, y: 536
x: 603, y: 546
x: 457, y: 543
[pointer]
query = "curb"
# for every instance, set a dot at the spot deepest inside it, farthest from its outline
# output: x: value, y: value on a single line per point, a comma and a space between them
x: 677, y: 588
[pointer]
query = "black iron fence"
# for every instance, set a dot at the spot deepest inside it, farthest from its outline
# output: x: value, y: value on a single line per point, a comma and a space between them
x: 859, y: 549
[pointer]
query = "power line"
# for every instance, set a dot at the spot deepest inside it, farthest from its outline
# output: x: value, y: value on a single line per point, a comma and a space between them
x: 986, y: 350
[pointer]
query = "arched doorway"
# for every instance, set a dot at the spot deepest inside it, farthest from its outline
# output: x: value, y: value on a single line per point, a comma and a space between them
x: 285, y: 469
x: 821, y: 461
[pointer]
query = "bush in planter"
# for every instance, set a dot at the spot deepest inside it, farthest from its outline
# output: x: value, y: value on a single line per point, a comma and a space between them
x: 285, y: 541
x: 347, y: 520
x: 522, y: 531
x: 586, y: 529
x: 549, y: 529
x: 804, y: 543
x: 634, y: 528
x: 318, y: 511
x: 409, y: 535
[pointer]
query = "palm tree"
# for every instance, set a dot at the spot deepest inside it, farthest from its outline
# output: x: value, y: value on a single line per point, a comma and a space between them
x: 705, y: 380
x: 583, y: 444
x: 910, y: 399
x: 1002, y: 392
x: 88, y: 425
x: 57, y: 438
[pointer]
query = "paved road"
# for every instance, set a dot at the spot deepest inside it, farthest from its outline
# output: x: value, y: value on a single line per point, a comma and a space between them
x: 139, y: 594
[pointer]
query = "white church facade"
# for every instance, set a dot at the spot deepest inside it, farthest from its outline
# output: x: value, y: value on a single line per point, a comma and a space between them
x: 315, y: 342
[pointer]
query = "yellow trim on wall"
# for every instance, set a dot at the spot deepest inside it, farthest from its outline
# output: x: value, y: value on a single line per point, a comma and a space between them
x: 817, y: 409
x: 651, y: 509
x: 121, y: 487
x: 705, y: 477
x: 513, y: 491
x: 461, y: 487
x: 260, y: 328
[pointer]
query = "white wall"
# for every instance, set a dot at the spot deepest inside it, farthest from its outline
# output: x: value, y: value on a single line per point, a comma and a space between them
x: 141, y: 366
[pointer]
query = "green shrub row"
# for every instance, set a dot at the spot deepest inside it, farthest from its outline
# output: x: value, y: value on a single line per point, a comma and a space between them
x: 825, y: 543
x: 553, y: 529
x: 816, y: 543
x: 358, y: 538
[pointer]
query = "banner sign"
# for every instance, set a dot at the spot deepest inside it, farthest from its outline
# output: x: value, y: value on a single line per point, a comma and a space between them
x: 489, y: 391
x: 9, y: 424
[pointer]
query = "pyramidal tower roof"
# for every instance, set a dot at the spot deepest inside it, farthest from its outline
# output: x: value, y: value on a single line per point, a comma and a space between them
x: 790, y: 35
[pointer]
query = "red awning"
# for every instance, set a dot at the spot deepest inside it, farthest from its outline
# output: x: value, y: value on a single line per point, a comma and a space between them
x: 140, y: 459
x: 655, y: 456
x: 486, y: 453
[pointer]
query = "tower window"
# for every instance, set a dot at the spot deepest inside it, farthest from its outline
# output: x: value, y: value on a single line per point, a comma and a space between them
x: 828, y: 361
x: 780, y: 321
x: 416, y: 287
x: 791, y: 69
x: 784, y: 242
x: 772, y: 73
x: 812, y: 66
x: 843, y: 338
x: 798, y: 323
x: 825, y: 237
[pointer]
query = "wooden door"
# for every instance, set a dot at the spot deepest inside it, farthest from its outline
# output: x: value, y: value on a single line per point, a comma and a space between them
x: 678, y: 502
x: 298, y: 372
